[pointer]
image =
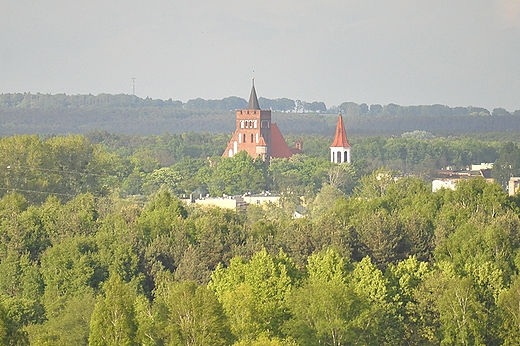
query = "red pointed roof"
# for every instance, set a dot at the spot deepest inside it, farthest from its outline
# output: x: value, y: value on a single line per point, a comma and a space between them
x: 279, y: 147
x: 340, y: 139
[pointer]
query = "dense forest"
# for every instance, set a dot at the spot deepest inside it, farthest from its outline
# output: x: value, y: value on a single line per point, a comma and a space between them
x: 96, y: 247
x: 60, y: 114
x: 392, y: 264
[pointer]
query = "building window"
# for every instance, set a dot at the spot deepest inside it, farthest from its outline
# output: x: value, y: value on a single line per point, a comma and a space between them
x: 252, y: 138
x: 241, y: 124
x: 254, y: 124
x: 239, y: 138
x: 244, y: 137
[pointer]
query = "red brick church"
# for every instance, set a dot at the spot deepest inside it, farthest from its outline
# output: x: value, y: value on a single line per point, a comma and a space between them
x: 258, y: 136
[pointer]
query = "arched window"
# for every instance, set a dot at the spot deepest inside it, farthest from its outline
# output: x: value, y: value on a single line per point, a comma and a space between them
x: 345, y: 156
x: 244, y: 137
x: 252, y: 138
x: 338, y: 157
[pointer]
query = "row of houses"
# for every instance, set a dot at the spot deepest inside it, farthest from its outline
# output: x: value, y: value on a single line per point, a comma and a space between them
x: 447, y: 179
x: 234, y: 202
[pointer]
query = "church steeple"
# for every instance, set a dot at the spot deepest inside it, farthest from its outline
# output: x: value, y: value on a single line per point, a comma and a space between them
x: 253, y: 100
x: 340, y: 148
x: 340, y: 139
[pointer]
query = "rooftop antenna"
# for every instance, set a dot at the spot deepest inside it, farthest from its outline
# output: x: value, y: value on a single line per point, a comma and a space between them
x: 133, y: 86
x: 253, y: 77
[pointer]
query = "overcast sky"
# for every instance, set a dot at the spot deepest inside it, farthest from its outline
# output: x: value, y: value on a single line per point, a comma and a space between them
x: 457, y: 53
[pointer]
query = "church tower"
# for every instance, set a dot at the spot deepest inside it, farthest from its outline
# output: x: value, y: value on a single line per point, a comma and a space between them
x: 340, y: 148
x: 253, y: 130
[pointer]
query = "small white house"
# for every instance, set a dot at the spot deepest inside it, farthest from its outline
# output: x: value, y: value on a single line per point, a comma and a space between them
x: 438, y: 184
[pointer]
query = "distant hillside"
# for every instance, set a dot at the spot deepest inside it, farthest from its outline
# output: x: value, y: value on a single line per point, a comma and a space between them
x: 57, y: 114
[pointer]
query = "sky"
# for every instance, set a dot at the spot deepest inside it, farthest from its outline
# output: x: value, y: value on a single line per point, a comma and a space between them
x: 455, y: 53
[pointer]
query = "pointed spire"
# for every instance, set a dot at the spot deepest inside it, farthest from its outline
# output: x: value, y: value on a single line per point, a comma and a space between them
x: 253, y: 100
x: 340, y: 139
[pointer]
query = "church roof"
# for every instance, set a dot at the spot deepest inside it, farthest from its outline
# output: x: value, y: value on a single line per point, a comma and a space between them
x: 279, y: 147
x: 340, y: 139
x: 253, y: 100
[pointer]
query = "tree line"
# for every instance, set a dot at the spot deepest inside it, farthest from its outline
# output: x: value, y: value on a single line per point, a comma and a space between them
x: 44, y: 101
x: 38, y: 100
x: 60, y: 114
